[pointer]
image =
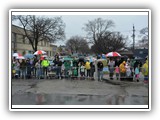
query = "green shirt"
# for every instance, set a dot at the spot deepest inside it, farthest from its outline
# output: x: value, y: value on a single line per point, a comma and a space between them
x: 45, y: 63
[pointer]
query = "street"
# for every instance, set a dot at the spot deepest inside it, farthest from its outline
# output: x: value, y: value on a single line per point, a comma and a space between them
x: 78, y: 92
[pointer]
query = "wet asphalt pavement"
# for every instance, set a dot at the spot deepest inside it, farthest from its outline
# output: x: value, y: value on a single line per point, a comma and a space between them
x: 78, y: 92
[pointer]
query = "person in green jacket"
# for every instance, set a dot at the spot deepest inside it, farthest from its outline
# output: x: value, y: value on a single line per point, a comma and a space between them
x: 67, y: 68
x: 45, y: 64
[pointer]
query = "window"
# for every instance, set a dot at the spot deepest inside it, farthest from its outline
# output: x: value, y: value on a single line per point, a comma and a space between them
x: 14, y: 37
x: 50, y: 53
x: 24, y: 39
x: 47, y: 53
x: 39, y: 43
x: 24, y: 52
x: 45, y: 43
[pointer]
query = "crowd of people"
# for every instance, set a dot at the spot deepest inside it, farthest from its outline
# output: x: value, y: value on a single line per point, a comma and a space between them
x: 79, y: 68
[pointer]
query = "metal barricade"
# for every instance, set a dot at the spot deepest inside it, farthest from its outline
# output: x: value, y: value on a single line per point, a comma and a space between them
x: 52, y: 72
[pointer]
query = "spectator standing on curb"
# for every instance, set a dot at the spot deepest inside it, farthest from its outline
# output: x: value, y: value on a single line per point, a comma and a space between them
x: 59, y: 69
x: 117, y: 62
x: 132, y: 62
x: 145, y: 71
x: 88, y: 67
x: 38, y: 69
x: 92, y: 70
x: 34, y: 63
x: 75, y: 68
x: 67, y: 68
x: 82, y: 70
x: 128, y: 70
x: 111, y: 65
x: 29, y: 68
x: 100, y: 70
x: 122, y: 70
x: 17, y: 69
x: 137, y: 73
x: 117, y: 72
x: 45, y: 64
x: 23, y: 68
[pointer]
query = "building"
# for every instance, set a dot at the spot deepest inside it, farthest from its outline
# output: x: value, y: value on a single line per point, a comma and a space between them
x: 62, y: 50
x: 21, y: 44
x: 141, y: 53
x: 126, y: 53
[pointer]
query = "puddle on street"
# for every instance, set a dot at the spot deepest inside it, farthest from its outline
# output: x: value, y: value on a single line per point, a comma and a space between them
x: 80, y: 99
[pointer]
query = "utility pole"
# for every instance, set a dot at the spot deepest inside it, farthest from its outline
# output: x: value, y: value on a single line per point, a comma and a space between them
x: 133, y: 35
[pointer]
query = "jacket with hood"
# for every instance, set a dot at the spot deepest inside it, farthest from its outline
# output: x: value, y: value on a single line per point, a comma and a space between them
x: 122, y: 67
x: 145, y: 68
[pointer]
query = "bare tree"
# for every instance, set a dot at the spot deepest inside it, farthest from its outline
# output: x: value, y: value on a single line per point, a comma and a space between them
x: 109, y: 42
x: 144, y: 34
x: 84, y: 47
x: 72, y: 44
x: 38, y: 28
x: 77, y: 44
x: 97, y: 28
x: 102, y: 38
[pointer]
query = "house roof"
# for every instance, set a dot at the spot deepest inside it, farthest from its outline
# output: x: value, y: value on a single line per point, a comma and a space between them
x: 141, y: 53
x: 126, y: 52
x: 17, y: 30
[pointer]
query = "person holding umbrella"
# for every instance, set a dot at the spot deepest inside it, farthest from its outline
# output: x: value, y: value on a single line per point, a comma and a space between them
x: 111, y: 65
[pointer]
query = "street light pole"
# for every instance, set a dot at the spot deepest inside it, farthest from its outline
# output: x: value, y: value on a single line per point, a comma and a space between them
x: 133, y: 35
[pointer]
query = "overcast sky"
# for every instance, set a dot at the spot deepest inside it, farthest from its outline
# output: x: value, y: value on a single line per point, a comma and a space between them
x: 123, y: 24
x: 75, y: 21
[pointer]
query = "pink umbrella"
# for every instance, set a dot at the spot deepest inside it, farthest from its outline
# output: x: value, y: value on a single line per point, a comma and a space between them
x: 113, y: 54
x: 39, y: 52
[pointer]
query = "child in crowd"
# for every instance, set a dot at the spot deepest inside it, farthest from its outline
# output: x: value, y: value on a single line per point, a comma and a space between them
x: 38, y: 69
x: 117, y: 72
x: 137, y: 73
x: 75, y: 73
x: 128, y: 70
x: 82, y: 71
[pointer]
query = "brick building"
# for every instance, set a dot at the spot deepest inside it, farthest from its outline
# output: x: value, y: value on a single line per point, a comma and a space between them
x: 21, y: 44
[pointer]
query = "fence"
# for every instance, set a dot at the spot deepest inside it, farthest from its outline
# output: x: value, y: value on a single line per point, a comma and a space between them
x: 53, y: 72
